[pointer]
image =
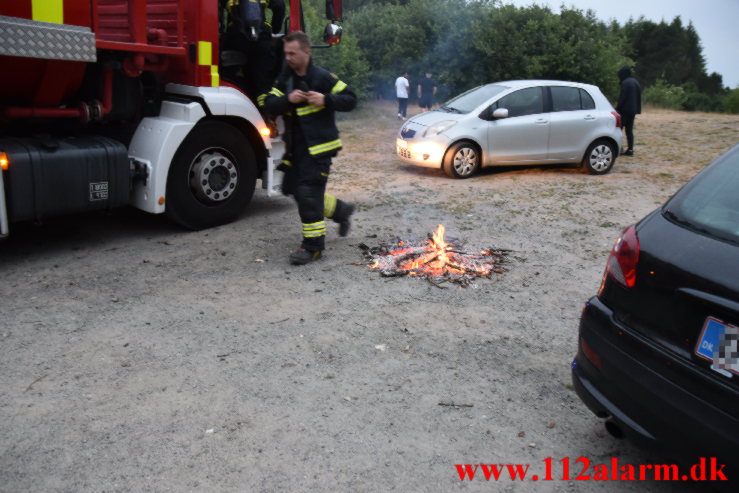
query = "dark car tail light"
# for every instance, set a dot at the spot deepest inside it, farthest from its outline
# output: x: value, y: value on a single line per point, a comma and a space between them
x: 618, y: 118
x: 624, y: 258
x: 589, y: 353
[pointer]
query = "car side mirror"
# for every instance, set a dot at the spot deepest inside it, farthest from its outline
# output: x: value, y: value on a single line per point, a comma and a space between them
x: 486, y: 114
x: 500, y: 113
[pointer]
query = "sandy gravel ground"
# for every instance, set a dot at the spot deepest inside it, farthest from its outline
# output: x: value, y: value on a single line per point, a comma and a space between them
x: 135, y: 356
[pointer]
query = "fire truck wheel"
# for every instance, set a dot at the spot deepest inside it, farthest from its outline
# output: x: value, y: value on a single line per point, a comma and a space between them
x: 462, y: 160
x: 212, y: 176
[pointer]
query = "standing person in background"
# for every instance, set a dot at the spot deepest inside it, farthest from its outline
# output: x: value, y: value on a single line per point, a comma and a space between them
x: 426, y: 92
x: 629, y: 105
x: 401, y: 91
x: 308, y: 96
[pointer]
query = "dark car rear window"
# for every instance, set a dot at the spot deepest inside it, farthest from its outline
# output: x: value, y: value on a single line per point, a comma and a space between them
x: 710, y: 202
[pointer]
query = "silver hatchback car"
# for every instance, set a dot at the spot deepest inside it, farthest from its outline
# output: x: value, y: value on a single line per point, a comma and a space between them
x: 515, y: 122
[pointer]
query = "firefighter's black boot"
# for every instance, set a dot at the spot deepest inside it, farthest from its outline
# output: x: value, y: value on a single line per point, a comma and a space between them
x: 345, y: 224
x: 301, y: 256
x: 342, y: 214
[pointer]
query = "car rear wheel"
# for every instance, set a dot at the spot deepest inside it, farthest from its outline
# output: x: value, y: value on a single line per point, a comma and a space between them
x: 599, y: 157
x: 462, y: 160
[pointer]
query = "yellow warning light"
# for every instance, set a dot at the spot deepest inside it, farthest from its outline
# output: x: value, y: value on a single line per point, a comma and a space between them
x: 161, y: 200
x: 4, y: 162
x: 264, y: 131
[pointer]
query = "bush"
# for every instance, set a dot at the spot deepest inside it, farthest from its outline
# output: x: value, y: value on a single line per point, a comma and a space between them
x: 730, y: 103
x: 664, y: 95
x: 698, y: 101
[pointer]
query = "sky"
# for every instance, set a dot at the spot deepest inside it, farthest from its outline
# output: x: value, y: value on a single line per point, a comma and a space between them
x: 715, y: 21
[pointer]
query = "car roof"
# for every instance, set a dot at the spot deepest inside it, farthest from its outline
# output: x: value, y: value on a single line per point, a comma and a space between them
x: 536, y: 82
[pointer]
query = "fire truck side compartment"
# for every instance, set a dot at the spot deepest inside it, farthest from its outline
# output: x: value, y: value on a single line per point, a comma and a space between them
x: 53, y: 177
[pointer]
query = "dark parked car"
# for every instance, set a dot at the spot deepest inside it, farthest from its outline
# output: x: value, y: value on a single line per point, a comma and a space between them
x: 657, y: 349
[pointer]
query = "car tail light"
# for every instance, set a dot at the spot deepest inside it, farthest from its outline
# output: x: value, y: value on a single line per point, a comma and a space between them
x: 589, y: 353
x: 618, y: 119
x: 624, y: 258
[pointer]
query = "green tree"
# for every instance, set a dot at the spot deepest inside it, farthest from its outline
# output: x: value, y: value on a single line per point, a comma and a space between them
x: 730, y: 102
x: 665, y: 95
x: 345, y: 59
x: 535, y: 43
x: 664, y: 51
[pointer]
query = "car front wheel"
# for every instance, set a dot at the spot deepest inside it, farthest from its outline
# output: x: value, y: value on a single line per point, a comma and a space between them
x: 462, y: 160
x: 599, y: 157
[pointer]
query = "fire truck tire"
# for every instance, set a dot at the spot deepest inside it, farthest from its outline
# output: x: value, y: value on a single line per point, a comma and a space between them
x: 212, y: 176
x: 462, y: 160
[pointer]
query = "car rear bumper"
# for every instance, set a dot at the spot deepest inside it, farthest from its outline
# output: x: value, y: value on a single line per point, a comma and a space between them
x: 620, y: 379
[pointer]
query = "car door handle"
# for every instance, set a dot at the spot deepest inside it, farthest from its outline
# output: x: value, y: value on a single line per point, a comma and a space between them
x: 589, y: 117
x: 541, y: 121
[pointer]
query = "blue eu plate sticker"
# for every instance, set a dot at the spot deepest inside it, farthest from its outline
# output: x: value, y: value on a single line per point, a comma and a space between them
x: 718, y: 344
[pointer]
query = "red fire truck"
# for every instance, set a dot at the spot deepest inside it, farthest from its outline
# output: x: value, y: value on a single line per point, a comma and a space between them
x: 111, y: 102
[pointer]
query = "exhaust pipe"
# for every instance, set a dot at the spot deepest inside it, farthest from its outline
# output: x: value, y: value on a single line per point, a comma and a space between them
x: 614, y: 429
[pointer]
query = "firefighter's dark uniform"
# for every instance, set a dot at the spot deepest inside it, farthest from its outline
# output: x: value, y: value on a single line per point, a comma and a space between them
x: 250, y: 32
x: 312, y: 139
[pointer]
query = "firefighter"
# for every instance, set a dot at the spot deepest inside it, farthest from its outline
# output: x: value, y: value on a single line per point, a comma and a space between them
x: 250, y: 32
x: 308, y: 96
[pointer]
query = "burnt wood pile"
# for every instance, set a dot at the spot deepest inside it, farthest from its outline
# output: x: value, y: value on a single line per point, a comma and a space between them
x: 436, y: 259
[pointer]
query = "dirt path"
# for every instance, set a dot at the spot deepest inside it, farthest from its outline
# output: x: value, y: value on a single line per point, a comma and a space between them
x: 138, y: 357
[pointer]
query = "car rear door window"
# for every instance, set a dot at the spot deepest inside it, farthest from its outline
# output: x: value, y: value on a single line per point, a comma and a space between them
x: 571, y: 99
x: 527, y: 101
x: 565, y: 98
x: 586, y: 100
x: 710, y: 203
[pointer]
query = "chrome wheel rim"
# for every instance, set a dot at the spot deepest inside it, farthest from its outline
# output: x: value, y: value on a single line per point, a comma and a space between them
x: 601, y: 157
x: 465, y: 161
x: 213, y: 176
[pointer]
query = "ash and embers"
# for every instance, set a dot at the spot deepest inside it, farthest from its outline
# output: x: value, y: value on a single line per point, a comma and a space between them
x: 436, y: 259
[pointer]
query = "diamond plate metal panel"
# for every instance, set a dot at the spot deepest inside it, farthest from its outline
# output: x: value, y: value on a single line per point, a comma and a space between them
x: 35, y: 39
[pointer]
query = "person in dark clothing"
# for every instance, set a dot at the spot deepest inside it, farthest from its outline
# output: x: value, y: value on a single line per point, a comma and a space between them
x: 308, y: 96
x: 250, y: 32
x: 629, y: 105
x: 426, y: 92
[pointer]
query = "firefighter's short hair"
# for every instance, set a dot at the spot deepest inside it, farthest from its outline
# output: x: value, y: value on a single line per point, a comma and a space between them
x: 299, y: 36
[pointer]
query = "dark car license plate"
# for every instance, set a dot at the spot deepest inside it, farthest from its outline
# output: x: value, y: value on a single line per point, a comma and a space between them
x: 718, y: 344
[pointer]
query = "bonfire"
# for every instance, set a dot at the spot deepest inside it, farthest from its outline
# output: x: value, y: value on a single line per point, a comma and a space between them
x: 435, y: 259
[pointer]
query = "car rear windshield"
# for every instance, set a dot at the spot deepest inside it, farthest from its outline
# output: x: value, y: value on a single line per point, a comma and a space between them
x: 468, y: 101
x: 710, y: 202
